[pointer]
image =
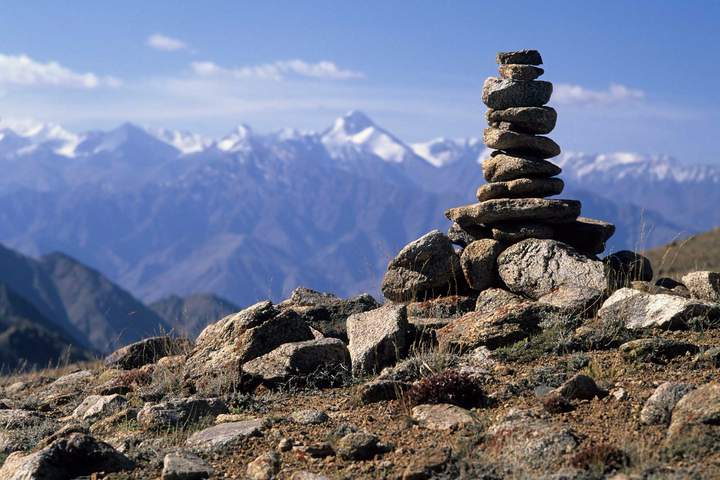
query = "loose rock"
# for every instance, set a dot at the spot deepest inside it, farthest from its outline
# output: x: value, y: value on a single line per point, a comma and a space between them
x: 442, y: 416
x: 703, y: 285
x: 185, y: 466
x: 377, y: 338
x: 147, y: 351
x: 658, y: 407
x: 694, y: 428
x: 478, y: 263
x: 224, y: 435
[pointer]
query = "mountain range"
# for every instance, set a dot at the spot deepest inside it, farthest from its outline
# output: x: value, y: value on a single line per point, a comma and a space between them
x: 251, y: 216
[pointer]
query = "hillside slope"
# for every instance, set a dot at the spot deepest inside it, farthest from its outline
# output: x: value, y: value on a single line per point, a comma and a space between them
x: 697, y: 252
x: 189, y: 315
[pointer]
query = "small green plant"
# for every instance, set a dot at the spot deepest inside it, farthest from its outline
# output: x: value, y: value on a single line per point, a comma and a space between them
x: 554, y: 339
x: 450, y: 386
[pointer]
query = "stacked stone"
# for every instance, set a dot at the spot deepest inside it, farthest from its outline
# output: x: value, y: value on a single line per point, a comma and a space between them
x: 513, y: 206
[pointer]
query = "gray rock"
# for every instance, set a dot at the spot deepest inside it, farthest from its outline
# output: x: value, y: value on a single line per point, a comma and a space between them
x: 377, y: 338
x: 657, y: 408
x: 357, y: 446
x: 73, y: 456
x: 694, y: 427
x: 513, y: 232
x: 533, y: 120
x: 580, y: 387
x: 309, y: 416
x: 656, y: 349
x: 704, y: 285
x: 524, y: 73
x: 299, y: 359
x: 638, y: 310
x: 465, y: 236
x: 303, y: 475
x: 224, y: 435
x: 493, y: 299
x: 264, y: 467
x: 96, y: 407
x: 624, y: 267
x: 531, y: 442
x: 521, y: 57
x: 515, y: 209
x: 147, y: 351
x: 185, y: 466
x: 520, y: 188
x: 179, y: 412
x: 502, y: 94
x: 501, y: 167
x: 586, y: 235
x: 428, y: 265
x: 442, y: 416
x: 535, y: 268
x: 710, y: 356
x: 575, y: 300
x: 224, y: 346
x: 325, y: 312
x: 520, y: 143
x: 495, y: 329
x: 452, y: 306
x: 478, y: 263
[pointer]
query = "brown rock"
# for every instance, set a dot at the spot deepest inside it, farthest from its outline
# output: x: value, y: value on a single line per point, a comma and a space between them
x: 500, y: 167
x: 523, y: 143
x: 516, y: 209
x: 521, y: 188
x: 501, y: 94
x: 522, y: 57
x: 534, y: 120
x: 513, y: 71
x: 478, y: 263
x: 514, y: 232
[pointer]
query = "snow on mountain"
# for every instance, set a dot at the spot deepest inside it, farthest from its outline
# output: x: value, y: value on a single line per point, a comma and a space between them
x: 239, y: 140
x: 442, y: 152
x: 356, y: 130
x: 183, y: 140
x: 52, y: 135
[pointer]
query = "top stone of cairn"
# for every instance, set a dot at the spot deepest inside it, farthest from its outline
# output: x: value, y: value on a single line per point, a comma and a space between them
x: 521, y: 57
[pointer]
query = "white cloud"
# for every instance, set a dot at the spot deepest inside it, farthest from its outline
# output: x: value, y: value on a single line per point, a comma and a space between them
x: 278, y: 70
x: 564, y: 93
x: 23, y: 70
x: 159, y: 41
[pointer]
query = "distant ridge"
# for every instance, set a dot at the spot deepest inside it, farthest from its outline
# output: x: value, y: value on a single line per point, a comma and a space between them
x: 189, y: 315
x: 697, y: 252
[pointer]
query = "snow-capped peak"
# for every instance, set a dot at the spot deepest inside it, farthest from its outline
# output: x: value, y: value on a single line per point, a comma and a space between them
x: 236, y: 140
x: 60, y: 140
x: 186, y: 142
x: 355, y: 129
x: 442, y: 152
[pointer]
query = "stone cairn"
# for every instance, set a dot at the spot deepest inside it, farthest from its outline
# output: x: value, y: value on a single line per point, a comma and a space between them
x: 512, y: 207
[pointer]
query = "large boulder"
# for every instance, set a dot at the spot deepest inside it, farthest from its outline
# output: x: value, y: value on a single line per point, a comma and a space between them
x: 300, y: 359
x: 146, y: 351
x: 535, y: 268
x: 377, y: 338
x: 695, y: 423
x: 657, y: 408
x: 495, y: 328
x: 76, y: 455
x: 426, y: 267
x: 326, y: 312
x: 515, y: 209
x: 478, y: 263
x: 638, y: 310
x: 223, y: 347
x: 704, y: 285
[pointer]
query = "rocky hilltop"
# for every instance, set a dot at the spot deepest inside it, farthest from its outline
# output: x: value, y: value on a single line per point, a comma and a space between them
x: 509, y: 347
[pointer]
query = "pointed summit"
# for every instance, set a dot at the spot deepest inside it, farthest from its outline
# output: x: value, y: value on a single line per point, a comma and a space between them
x: 236, y: 140
x: 353, y: 122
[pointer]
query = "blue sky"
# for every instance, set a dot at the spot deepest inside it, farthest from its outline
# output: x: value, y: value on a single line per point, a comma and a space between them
x: 631, y: 75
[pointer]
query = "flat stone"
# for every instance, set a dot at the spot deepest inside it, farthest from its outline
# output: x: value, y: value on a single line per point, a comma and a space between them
x: 309, y: 416
x: 494, y: 299
x: 501, y: 167
x: 179, y: 412
x: 442, y: 416
x: 521, y: 188
x: 657, y: 408
x: 95, y: 407
x: 521, y: 57
x: 638, y: 310
x: 377, y: 338
x: 586, y: 235
x: 224, y: 435
x: 452, y: 306
x: 147, y: 351
x: 513, y: 232
x: 357, y: 446
x: 656, y: 350
x: 576, y: 300
x: 465, y: 236
x: 185, y: 466
x: 478, y: 263
x: 535, y: 268
x: 532, y: 120
x: 694, y: 429
x: 299, y: 359
x: 515, y: 209
x: 425, y: 267
x: 502, y: 94
x: 704, y: 285
x: 520, y: 143
x: 498, y: 328
x: 524, y: 73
